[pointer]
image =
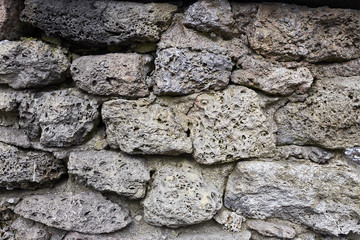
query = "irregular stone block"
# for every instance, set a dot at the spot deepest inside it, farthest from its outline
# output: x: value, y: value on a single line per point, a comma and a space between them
x: 271, y: 229
x: 353, y: 154
x: 179, y: 196
x: 27, y: 169
x: 10, y: 25
x: 120, y: 74
x: 59, y: 117
x: 327, y: 118
x: 8, y: 99
x: 230, y: 220
x: 181, y: 71
x: 79, y: 236
x: 211, y: 16
x: 31, y: 63
x: 290, y: 32
x: 93, y: 22
x: 322, y: 197
x: 229, y: 125
x: 143, y: 127
x: 85, y: 212
x: 13, y: 136
x: 331, y: 70
x: 257, y: 73
x: 110, y: 171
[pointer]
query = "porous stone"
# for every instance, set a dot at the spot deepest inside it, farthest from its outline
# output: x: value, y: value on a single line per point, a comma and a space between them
x: 79, y: 236
x: 228, y: 126
x: 110, y: 171
x: 10, y: 25
x: 327, y: 118
x: 13, y: 136
x: 271, y: 230
x: 290, y: 32
x: 8, y: 107
x: 179, y: 196
x: 144, y: 127
x: 182, y: 71
x: 211, y: 16
x: 84, y: 212
x: 230, y: 220
x: 60, y: 118
x: 256, y: 72
x: 331, y: 70
x: 27, y: 169
x: 353, y: 154
x: 119, y: 74
x: 322, y: 197
x: 31, y: 63
x: 93, y: 22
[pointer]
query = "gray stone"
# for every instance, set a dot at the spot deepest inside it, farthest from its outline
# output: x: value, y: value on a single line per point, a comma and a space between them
x: 271, y: 78
x: 31, y: 63
x: 93, y: 22
x: 60, y: 118
x: 79, y: 236
x: 85, y: 212
x: 27, y: 169
x: 10, y: 25
x: 144, y: 127
x: 230, y: 220
x: 322, y: 197
x: 211, y: 16
x: 182, y: 71
x: 13, y: 136
x: 271, y: 229
x: 8, y: 100
x: 353, y: 154
x: 330, y: 70
x: 229, y: 125
x: 327, y: 118
x: 119, y: 74
x: 179, y: 196
x: 290, y: 32
x: 110, y: 171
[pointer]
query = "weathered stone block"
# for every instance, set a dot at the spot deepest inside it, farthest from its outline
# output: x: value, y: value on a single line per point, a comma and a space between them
x: 10, y: 25
x: 179, y: 196
x: 322, y: 197
x: 27, y: 169
x: 140, y: 126
x: 31, y: 63
x: 85, y: 212
x: 93, y: 22
x: 229, y: 125
x: 110, y: 171
x: 119, y: 74
x: 329, y: 117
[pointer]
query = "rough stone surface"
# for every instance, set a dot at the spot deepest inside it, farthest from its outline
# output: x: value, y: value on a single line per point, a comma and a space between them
x: 79, y: 236
x: 140, y: 126
x: 8, y: 101
x: 85, y: 212
x: 31, y: 63
x: 60, y: 118
x: 27, y: 169
x: 110, y: 171
x: 290, y: 32
x: 182, y: 71
x: 271, y: 229
x: 353, y: 154
x: 13, y: 136
x: 305, y: 192
x: 179, y: 196
x: 270, y: 78
x: 120, y: 74
x: 230, y: 220
x: 92, y: 22
x: 10, y: 25
x: 228, y: 126
x: 211, y: 16
x: 329, y: 117
x: 345, y: 69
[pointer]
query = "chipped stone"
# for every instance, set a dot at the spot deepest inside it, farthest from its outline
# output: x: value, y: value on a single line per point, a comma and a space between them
x: 230, y: 220
x: 271, y: 230
x: 13, y: 136
x: 10, y: 25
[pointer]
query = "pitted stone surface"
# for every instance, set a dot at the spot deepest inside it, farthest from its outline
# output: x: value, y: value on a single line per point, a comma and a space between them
x: 110, y: 171
x: 93, y: 22
x: 345, y: 69
x: 271, y: 229
x: 60, y: 118
x: 228, y: 126
x: 8, y: 101
x: 31, y: 63
x: 304, y: 192
x: 13, y: 136
x: 143, y: 127
x: 230, y: 220
x: 270, y: 78
x: 290, y: 32
x: 10, y: 25
x: 85, y: 212
x: 329, y: 117
x: 27, y: 169
x: 179, y: 196
x: 182, y: 71
x: 120, y: 74
x: 211, y: 16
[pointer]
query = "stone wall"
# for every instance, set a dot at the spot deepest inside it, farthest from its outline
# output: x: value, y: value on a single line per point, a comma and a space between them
x: 203, y: 120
